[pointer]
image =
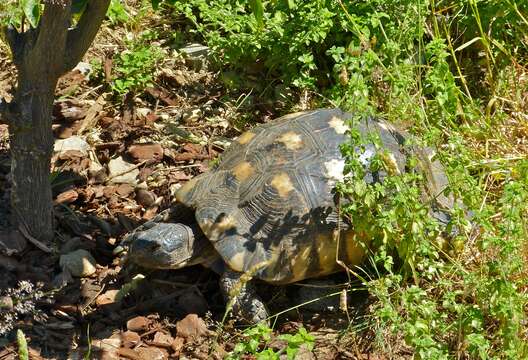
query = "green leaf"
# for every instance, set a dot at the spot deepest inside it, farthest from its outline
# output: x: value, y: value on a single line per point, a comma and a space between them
x: 258, y: 11
x: 31, y: 9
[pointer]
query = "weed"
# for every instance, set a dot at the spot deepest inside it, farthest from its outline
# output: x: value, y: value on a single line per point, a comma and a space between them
x: 117, y: 13
x: 135, y: 67
x: 448, y: 72
x: 257, y: 339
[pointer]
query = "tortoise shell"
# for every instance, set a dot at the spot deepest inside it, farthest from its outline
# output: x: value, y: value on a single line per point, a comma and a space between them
x: 268, y: 207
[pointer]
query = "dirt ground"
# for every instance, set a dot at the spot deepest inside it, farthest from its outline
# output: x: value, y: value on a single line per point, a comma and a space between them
x: 115, y: 167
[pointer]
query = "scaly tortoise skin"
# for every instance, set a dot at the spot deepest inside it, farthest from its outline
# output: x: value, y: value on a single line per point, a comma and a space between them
x: 268, y: 207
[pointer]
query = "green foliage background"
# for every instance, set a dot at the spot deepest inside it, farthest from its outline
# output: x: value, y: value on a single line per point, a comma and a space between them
x: 445, y: 71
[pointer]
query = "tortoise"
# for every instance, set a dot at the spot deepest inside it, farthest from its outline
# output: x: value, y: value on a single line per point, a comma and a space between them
x: 268, y: 208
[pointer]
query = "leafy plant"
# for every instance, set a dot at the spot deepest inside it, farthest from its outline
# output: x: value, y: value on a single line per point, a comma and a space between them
x: 449, y: 73
x: 135, y: 67
x: 258, y: 337
x: 117, y: 13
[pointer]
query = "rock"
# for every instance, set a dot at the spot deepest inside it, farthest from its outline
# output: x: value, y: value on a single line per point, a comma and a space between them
x: 138, y: 323
x: 145, y: 198
x: 122, y: 172
x: 130, y: 339
x: 195, y: 50
x: 152, y: 353
x: 12, y: 242
x: 191, y: 326
x: 193, y: 303
x: 162, y: 339
x: 141, y: 152
x: 191, y: 115
x: 80, y: 263
x: 109, y: 297
x: 196, y: 55
x: 74, y: 143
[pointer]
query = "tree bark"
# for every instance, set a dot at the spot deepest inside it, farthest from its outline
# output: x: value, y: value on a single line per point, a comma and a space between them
x: 41, y: 56
x: 31, y: 146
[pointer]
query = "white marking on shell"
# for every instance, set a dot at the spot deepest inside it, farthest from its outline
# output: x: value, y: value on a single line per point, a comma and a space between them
x: 338, y: 125
x: 291, y: 140
x: 335, y: 169
x: 283, y: 184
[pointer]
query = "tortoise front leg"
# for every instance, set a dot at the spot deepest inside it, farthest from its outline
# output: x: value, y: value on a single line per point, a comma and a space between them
x: 247, y: 305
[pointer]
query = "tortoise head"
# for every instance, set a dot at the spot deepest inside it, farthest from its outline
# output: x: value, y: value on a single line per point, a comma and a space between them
x: 170, y: 246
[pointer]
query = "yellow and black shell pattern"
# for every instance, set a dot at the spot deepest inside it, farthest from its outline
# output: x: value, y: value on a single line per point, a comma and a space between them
x: 268, y: 207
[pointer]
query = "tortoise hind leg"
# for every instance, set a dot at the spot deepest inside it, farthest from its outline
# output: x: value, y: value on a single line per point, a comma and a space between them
x: 247, y: 305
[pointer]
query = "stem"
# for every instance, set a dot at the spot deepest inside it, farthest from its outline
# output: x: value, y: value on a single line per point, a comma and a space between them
x: 80, y: 38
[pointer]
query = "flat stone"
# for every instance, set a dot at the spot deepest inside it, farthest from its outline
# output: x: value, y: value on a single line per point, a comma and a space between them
x: 196, y: 55
x: 122, y: 172
x: 195, y: 50
x: 6, y: 303
x: 80, y: 263
x: 74, y: 143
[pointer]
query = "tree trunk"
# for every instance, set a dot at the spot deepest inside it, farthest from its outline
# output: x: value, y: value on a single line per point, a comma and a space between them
x: 41, y: 56
x: 31, y: 149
